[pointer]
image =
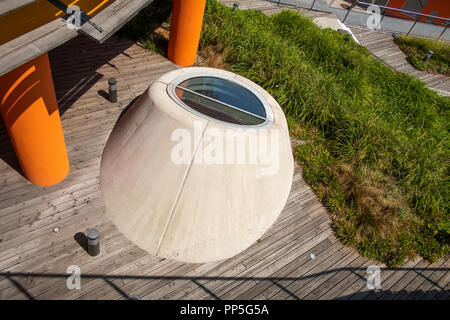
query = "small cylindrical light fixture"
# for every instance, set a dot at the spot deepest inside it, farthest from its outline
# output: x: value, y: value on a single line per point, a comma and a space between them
x: 112, y: 90
x: 428, y: 56
x: 93, y: 242
x: 235, y: 6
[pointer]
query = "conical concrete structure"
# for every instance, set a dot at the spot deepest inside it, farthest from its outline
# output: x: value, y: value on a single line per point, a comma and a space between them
x: 173, y: 175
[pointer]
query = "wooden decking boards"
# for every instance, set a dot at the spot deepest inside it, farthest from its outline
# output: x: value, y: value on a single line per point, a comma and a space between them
x: 279, y: 266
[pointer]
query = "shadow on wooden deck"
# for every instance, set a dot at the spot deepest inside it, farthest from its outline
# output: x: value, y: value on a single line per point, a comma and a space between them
x: 438, y: 293
x: 75, y: 76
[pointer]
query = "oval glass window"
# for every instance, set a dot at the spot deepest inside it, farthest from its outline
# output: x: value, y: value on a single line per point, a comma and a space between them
x: 221, y: 99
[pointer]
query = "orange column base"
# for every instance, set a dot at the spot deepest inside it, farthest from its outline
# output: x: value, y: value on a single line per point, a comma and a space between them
x: 187, y: 18
x: 30, y: 112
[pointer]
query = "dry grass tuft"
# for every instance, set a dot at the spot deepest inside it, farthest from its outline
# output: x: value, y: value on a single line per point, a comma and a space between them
x: 213, y: 58
x: 381, y: 207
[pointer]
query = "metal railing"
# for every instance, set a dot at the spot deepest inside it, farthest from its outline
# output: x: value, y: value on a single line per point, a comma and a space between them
x: 429, y: 18
x: 418, y: 24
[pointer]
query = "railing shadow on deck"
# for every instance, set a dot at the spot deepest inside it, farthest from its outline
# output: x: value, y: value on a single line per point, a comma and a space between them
x: 74, y: 73
x: 74, y: 67
x: 436, y: 291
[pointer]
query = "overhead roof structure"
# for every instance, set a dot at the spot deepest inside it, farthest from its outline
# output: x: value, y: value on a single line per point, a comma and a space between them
x: 7, y: 6
x: 112, y: 18
x: 33, y: 44
x: 51, y: 34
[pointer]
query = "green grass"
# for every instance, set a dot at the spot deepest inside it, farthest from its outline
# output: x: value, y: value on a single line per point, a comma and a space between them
x: 378, y: 151
x: 142, y: 27
x: 416, y: 49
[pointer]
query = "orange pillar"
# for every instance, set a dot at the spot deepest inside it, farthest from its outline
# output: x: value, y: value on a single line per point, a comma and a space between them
x: 30, y: 112
x: 187, y: 18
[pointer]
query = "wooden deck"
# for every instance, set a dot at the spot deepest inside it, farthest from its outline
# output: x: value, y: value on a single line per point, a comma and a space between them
x: 34, y: 258
x: 382, y: 46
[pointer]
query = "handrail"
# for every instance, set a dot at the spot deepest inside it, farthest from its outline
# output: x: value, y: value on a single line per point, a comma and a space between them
x: 415, y: 16
x: 403, y: 11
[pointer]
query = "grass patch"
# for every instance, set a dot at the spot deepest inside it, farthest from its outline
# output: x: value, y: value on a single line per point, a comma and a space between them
x: 416, y: 49
x: 377, y: 148
x: 150, y: 27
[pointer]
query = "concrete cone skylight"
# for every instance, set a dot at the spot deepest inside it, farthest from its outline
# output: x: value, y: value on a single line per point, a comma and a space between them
x: 169, y: 181
x: 221, y: 98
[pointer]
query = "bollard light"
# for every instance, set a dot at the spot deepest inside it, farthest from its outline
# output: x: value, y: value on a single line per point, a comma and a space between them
x: 235, y: 6
x: 428, y: 56
x: 112, y: 90
x: 93, y: 242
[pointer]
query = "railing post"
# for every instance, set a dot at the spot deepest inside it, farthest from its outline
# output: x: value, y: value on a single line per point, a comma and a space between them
x: 382, y: 17
x: 349, y: 9
x: 418, y: 17
x: 445, y: 29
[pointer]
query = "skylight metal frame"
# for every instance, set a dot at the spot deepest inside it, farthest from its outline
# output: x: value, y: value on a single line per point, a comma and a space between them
x: 172, y: 86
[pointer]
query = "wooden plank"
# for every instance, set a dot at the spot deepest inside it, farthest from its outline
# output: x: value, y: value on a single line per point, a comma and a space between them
x: 64, y: 254
x: 438, y: 291
x: 135, y: 268
x: 194, y: 272
x: 143, y: 276
x: 240, y: 265
x: 33, y: 44
x: 382, y: 46
x: 263, y: 268
x: 334, y: 265
x: 427, y: 285
x: 112, y: 18
x: 250, y: 271
x: 354, y: 282
x: 399, y: 285
x: 234, y: 262
x: 304, y: 274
